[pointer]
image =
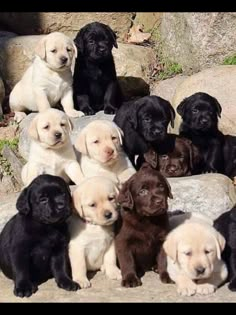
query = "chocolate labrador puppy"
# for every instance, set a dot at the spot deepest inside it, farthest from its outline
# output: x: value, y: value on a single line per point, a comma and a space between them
x: 95, y: 82
x: 200, y: 113
x: 34, y: 243
x: 175, y: 157
x: 144, y: 123
x: 143, y: 226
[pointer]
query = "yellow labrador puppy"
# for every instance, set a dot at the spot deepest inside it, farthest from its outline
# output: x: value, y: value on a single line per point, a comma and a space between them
x: 92, y: 236
x: 194, y: 262
x: 100, y: 144
x: 49, y: 78
x: 51, y: 150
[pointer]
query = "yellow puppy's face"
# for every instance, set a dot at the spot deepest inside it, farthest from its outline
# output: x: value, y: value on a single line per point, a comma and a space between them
x: 58, y: 51
x: 101, y: 140
x: 50, y: 128
x: 95, y: 200
x: 195, y: 247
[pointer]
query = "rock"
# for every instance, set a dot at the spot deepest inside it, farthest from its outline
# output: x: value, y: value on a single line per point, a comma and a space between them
x: 198, y: 40
x: 220, y: 82
x: 16, y: 164
x: 148, y: 19
x: 2, y: 95
x: 78, y: 124
x: 132, y: 62
x: 9, y: 132
x: 8, y: 184
x: 166, y: 88
x: 34, y: 23
x: 209, y: 194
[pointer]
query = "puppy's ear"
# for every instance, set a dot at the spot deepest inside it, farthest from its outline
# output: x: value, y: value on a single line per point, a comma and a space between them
x: 120, y: 134
x: 79, y: 41
x: 75, y: 50
x: 182, y: 106
x: 71, y: 126
x: 76, y: 201
x: 171, y: 111
x: 170, y: 246
x: 80, y: 143
x: 74, y: 58
x: 218, y: 107
x: 23, y: 203
x: 133, y: 112
x: 169, y: 193
x: 33, y: 130
x: 220, y: 244
x: 40, y: 48
x: 151, y: 158
x: 112, y: 35
x: 125, y: 198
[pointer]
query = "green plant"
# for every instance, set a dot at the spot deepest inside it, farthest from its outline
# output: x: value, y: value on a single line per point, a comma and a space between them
x: 230, y: 60
x: 4, y: 164
x: 13, y: 143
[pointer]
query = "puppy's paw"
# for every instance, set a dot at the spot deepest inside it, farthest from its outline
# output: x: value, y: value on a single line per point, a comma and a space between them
x: 187, y: 290
x: 83, y: 282
x: 19, y: 116
x: 113, y: 273
x: 109, y: 110
x: 205, y: 288
x: 68, y: 284
x: 131, y: 281
x: 88, y: 111
x: 232, y: 285
x: 74, y: 113
x: 25, y: 288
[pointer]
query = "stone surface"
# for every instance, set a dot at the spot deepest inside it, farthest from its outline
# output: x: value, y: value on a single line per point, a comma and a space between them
x: 166, y: 88
x: 16, y: 164
x: 132, y: 61
x: 9, y: 132
x: 209, y: 194
x: 148, y: 19
x: 198, y: 40
x: 78, y: 124
x: 220, y: 82
x: 8, y: 184
x: 33, y: 23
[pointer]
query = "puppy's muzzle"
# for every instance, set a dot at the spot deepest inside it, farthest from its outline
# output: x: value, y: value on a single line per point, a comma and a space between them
x: 200, y: 270
x: 63, y: 60
x: 58, y: 135
x: 107, y: 214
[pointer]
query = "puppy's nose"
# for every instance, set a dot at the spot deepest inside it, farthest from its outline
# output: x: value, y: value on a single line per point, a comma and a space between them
x: 102, y: 48
x: 172, y: 168
x: 204, y: 120
x: 200, y: 270
x: 58, y: 135
x: 63, y: 59
x: 158, y: 131
x: 107, y: 214
x: 109, y: 151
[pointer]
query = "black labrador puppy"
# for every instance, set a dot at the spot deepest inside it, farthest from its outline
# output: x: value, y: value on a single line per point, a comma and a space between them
x: 200, y: 113
x: 144, y: 123
x: 226, y: 225
x: 34, y: 242
x: 230, y: 156
x: 95, y: 82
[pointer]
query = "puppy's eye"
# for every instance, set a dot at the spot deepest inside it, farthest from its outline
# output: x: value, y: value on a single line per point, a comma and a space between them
x: 164, y: 157
x: 111, y: 198
x: 63, y: 124
x: 60, y: 205
x: 147, y: 119
x: 53, y: 51
x: 188, y: 253
x: 92, y: 205
x: 207, y: 251
x: 96, y: 141
x: 195, y: 111
x: 68, y: 49
x: 114, y: 138
x: 160, y: 186
x: 91, y: 41
x: 43, y: 200
x: 46, y: 127
x: 143, y: 192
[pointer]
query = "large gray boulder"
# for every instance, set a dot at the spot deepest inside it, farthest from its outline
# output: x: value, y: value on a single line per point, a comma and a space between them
x: 2, y: 95
x: 198, y: 40
x: 133, y: 63
x: 218, y: 81
x: 33, y: 23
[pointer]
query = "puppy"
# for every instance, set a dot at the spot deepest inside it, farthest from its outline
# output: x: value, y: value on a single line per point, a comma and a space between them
x: 92, y: 236
x: 226, y: 225
x: 175, y: 157
x: 95, y: 82
x: 200, y: 113
x: 100, y: 144
x: 144, y: 122
x: 194, y: 262
x: 48, y: 80
x: 34, y: 243
x: 51, y: 151
x: 229, y: 152
x: 143, y: 226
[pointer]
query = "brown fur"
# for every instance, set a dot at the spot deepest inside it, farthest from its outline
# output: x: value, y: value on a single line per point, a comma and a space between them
x: 143, y: 226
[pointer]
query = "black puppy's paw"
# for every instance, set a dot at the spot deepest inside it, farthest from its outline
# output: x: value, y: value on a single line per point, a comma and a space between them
x: 68, y: 284
x: 232, y: 285
x: 25, y: 288
x: 109, y: 110
x: 165, y: 278
x: 131, y: 281
x: 88, y: 111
